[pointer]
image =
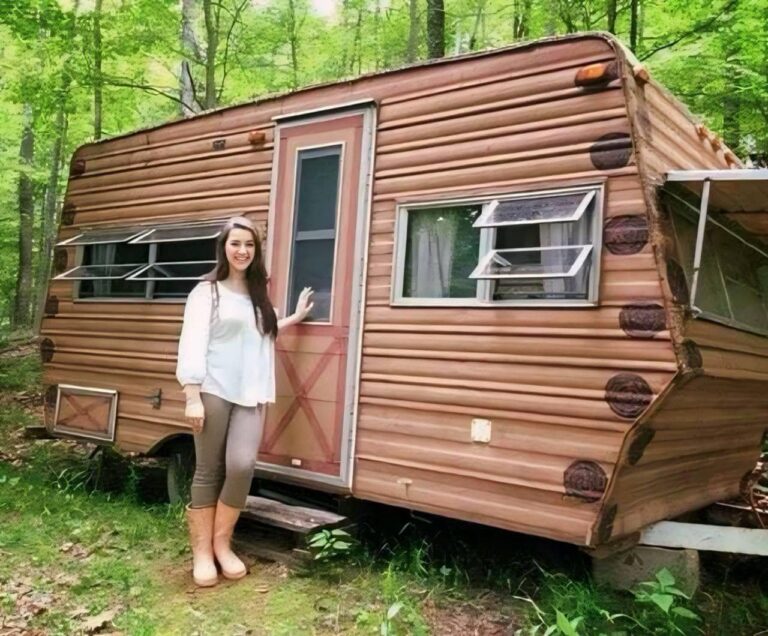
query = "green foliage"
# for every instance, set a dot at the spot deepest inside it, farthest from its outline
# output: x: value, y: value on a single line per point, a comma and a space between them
x: 662, y: 596
x: 21, y: 373
x: 330, y: 544
x: 711, y: 54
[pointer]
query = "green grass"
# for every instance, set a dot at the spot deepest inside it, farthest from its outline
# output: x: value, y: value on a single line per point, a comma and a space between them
x: 79, y: 550
x: 20, y: 373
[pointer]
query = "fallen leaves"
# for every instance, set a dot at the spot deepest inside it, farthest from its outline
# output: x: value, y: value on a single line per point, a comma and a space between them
x: 75, y: 550
x: 94, y: 624
x: 27, y: 604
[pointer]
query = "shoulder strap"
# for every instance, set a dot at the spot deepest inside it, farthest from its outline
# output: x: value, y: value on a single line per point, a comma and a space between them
x: 214, y: 300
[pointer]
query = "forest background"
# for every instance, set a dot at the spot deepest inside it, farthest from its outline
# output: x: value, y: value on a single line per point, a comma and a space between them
x: 72, y: 71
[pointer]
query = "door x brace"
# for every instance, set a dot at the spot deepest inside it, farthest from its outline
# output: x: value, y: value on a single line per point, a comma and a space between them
x: 301, y: 401
x: 81, y: 410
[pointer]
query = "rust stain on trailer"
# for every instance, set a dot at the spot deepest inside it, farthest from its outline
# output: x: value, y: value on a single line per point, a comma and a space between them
x: 628, y: 395
x: 643, y: 319
x: 611, y: 151
x: 585, y: 479
x: 626, y: 234
x: 678, y: 283
x: 60, y: 259
x: 642, y: 437
x: 47, y: 349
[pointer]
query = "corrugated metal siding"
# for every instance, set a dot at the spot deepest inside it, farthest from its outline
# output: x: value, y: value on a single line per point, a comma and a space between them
x: 707, y: 438
x: 703, y: 435
x: 167, y: 175
x: 539, y: 375
x: 504, y: 122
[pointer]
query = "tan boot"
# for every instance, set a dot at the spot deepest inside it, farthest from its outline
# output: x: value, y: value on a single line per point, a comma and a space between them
x: 223, y: 527
x: 200, y: 521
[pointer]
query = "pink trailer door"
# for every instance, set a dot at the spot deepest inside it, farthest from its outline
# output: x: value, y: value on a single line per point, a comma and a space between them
x: 318, y: 223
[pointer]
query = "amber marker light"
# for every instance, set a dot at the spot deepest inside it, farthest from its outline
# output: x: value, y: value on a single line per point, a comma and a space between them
x: 642, y: 76
x: 600, y: 73
x: 256, y: 137
x: 701, y: 131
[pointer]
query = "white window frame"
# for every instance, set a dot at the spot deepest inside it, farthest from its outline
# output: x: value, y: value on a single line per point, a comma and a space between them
x: 71, y: 274
x: 490, y: 208
x: 146, y: 237
x: 137, y: 275
x: 584, y: 251
x: 82, y: 239
x: 316, y: 234
x: 705, y: 217
x: 483, y: 297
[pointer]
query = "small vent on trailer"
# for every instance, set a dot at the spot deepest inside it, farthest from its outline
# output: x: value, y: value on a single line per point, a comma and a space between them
x: 85, y: 412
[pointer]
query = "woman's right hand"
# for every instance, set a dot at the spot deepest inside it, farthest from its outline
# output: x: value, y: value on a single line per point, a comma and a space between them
x: 195, y: 415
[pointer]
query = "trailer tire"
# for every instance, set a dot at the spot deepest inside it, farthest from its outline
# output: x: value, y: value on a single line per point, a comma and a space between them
x: 181, y: 468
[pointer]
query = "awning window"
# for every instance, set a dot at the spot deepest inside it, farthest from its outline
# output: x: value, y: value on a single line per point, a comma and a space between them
x: 720, y: 217
x: 100, y: 272
x: 533, y: 263
x: 541, y: 209
x: 180, y: 233
x: 97, y: 237
x: 189, y: 270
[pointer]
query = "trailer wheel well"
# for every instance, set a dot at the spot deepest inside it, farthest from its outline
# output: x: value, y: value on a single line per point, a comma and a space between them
x: 180, y: 451
x: 165, y: 446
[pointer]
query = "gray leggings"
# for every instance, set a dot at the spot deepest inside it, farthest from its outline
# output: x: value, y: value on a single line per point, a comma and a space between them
x: 225, y: 452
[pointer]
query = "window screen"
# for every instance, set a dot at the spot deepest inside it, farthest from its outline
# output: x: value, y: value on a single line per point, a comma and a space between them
x: 149, y: 262
x: 441, y: 252
x: 733, y: 276
x: 180, y: 233
x: 539, y: 209
x: 314, y: 228
x: 114, y: 235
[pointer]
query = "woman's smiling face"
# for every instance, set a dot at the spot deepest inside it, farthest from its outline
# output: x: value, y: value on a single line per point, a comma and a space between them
x: 240, y: 248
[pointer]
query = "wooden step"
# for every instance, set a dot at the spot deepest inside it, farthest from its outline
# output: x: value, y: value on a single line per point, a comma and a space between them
x: 298, y: 519
x: 37, y: 432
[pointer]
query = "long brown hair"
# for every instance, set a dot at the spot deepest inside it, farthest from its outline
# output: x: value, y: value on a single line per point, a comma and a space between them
x: 255, y: 275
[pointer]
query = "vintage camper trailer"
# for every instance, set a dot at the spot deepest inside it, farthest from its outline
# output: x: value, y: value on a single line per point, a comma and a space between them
x: 542, y: 289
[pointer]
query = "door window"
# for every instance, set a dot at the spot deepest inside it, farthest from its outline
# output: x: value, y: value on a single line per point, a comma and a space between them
x: 314, y: 227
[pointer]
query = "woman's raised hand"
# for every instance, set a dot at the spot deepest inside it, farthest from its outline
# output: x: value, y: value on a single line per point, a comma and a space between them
x: 304, y: 304
x: 194, y: 413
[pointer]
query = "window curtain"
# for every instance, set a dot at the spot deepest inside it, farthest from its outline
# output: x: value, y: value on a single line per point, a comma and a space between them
x: 103, y: 254
x: 433, y: 238
x: 563, y: 234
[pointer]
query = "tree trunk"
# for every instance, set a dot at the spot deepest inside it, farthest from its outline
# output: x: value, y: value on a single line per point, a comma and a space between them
x: 413, y: 31
x: 521, y: 19
x: 98, y: 80
x: 190, y: 50
x: 476, y: 27
x: 49, y: 217
x: 731, y: 98
x: 212, y: 38
x: 21, y: 309
x: 376, y: 36
x: 633, y: 24
x: 357, y: 51
x: 435, y: 29
x: 552, y: 10
x: 49, y: 221
x: 293, y: 37
x: 612, y: 12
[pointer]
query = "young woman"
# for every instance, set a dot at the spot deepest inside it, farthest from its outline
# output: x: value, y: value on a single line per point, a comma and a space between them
x: 226, y: 366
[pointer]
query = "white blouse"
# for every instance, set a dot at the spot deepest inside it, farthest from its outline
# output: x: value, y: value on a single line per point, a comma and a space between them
x: 223, y: 350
